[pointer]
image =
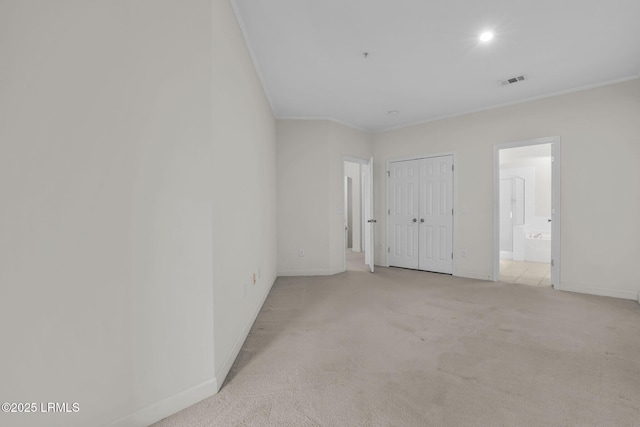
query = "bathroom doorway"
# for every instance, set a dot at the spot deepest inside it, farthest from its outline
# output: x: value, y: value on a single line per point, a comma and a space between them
x: 526, y: 209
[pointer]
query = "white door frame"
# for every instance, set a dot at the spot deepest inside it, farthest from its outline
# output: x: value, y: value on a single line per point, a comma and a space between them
x: 344, y: 235
x: 555, y: 203
x: 455, y: 198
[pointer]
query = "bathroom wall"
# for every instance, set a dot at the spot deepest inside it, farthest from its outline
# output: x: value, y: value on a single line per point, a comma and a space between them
x: 536, y: 172
x: 532, y: 221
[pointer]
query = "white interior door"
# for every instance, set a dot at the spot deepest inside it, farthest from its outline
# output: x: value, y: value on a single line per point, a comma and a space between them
x: 555, y: 214
x: 436, y: 214
x: 506, y: 215
x: 402, y: 234
x: 370, y: 221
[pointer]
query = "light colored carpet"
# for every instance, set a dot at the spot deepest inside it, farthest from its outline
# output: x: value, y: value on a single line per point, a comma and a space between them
x: 407, y: 348
x: 355, y: 261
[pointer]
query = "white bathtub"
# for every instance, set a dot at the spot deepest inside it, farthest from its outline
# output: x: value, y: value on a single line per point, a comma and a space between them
x: 537, y: 247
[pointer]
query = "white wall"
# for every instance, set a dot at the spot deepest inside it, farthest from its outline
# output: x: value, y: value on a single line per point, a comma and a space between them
x: 600, y: 134
x: 244, y: 193
x: 536, y: 218
x: 543, y: 186
x: 311, y: 193
x: 118, y: 121
x: 539, y: 157
x: 303, y: 196
x: 538, y: 186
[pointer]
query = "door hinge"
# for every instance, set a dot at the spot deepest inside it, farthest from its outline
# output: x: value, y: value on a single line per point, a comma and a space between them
x: 451, y: 255
x: 451, y: 211
x: 388, y: 211
x: 552, y: 263
x: 389, y: 173
x: 451, y: 168
x: 388, y: 250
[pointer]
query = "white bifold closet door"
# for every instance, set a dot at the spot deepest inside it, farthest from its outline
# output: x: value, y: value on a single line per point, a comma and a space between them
x: 403, y: 214
x: 420, y: 231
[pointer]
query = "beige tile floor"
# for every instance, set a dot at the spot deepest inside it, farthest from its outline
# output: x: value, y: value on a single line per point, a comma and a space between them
x: 525, y: 272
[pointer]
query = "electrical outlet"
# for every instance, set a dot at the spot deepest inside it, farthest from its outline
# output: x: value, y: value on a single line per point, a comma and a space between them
x: 300, y: 252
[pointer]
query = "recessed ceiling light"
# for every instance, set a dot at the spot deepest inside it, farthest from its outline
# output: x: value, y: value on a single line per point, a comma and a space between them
x: 486, y: 36
x: 392, y: 113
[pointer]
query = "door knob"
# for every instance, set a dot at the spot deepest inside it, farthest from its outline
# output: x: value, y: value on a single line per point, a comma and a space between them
x: 371, y: 220
x: 421, y: 219
x: 415, y: 220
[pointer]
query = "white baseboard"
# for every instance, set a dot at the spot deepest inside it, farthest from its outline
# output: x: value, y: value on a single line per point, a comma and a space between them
x: 162, y: 409
x: 222, y: 373
x: 169, y: 406
x: 595, y: 290
x: 309, y: 272
x: 473, y: 275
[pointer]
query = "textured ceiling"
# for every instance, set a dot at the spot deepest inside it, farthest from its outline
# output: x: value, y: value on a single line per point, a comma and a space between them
x: 425, y: 60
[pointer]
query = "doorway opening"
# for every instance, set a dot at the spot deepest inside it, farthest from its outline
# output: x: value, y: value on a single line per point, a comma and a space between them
x: 358, y: 211
x: 526, y: 185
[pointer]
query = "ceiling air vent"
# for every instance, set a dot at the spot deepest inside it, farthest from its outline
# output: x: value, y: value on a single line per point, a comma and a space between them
x: 512, y: 80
